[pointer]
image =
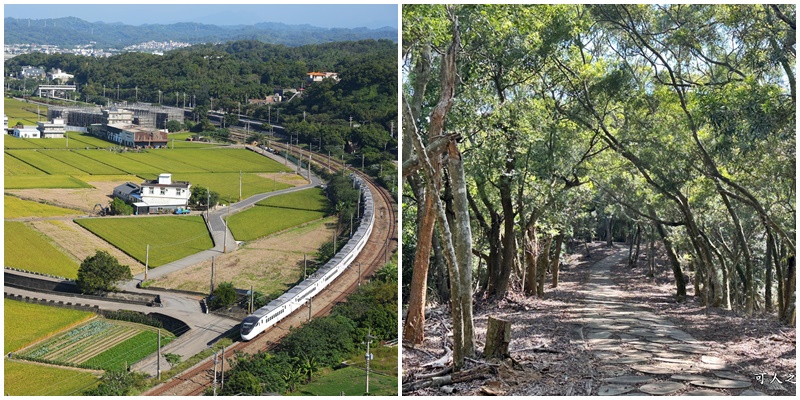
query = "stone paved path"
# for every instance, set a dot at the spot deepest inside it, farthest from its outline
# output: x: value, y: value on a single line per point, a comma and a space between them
x: 638, y: 353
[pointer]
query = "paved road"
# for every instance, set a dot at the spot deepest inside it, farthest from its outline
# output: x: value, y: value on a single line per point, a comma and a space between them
x: 638, y: 352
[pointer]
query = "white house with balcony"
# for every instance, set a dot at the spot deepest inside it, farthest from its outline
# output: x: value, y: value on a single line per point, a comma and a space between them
x: 155, y: 196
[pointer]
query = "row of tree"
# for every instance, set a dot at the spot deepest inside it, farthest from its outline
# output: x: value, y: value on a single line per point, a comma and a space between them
x: 536, y: 124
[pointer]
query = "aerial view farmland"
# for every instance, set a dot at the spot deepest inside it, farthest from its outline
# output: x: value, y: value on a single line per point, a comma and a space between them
x: 177, y: 211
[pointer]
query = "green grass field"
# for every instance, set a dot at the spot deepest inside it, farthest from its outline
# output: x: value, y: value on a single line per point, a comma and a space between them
x: 20, y: 329
x: 44, y: 182
x: 83, y: 163
x: 41, y: 160
x: 351, y: 381
x: 164, y: 161
x: 278, y: 213
x: 310, y: 199
x: 119, y: 161
x: 227, y: 183
x: 20, y: 111
x: 26, y: 249
x: 170, y: 237
x: 26, y: 379
x: 14, y: 207
x: 12, y: 143
x: 14, y: 166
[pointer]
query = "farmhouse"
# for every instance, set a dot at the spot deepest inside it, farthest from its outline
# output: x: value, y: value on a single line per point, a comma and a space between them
x: 157, y: 195
x: 319, y: 76
x: 28, y: 132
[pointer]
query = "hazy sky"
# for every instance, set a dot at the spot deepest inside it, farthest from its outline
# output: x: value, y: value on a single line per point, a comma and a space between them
x: 322, y: 15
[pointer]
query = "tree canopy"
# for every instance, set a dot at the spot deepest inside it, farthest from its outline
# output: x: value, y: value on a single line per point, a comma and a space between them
x: 101, y: 272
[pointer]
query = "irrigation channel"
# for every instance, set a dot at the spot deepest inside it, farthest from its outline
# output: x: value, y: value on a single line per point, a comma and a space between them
x: 376, y: 252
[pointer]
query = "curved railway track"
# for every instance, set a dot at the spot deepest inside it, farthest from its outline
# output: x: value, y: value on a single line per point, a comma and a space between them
x: 378, y: 249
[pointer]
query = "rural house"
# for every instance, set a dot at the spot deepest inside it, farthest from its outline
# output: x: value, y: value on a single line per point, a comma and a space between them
x: 154, y: 196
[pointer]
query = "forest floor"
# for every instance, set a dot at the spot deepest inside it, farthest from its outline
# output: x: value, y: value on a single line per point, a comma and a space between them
x: 607, y: 329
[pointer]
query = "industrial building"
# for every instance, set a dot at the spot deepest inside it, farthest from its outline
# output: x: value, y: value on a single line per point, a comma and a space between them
x: 52, y: 130
x: 26, y: 132
x: 144, y: 115
x: 130, y: 135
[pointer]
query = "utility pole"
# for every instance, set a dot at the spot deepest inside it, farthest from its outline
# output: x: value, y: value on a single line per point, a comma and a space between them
x: 240, y: 185
x: 309, y: 309
x: 362, y: 161
x: 391, y: 129
x: 351, y: 121
x: 146, y: 262
x: 215, y: 373
x: 252, y: 306
x: 158, y: 356
x: 212, y: 275
x: 305, y: 265
x: 351, y: 225
x: 359, y: 273
x: 137, y: 93
x: 222, y: 370
x: 159, y: 97
x: 368, y: 356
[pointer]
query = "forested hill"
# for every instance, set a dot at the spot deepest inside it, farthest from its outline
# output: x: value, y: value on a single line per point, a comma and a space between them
x: 70, y: 31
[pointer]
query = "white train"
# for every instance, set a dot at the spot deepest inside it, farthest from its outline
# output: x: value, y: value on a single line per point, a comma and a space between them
x: 297, y: 296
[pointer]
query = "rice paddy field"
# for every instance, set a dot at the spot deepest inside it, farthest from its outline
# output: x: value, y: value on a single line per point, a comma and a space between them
x: 20, y: 111
x: 27, y: 379
x: 21, y: 330
x: 14, y: 207
x: 278, y: 213
x: 29, y: 250
x: 74, y: 140
x: 170, y: 238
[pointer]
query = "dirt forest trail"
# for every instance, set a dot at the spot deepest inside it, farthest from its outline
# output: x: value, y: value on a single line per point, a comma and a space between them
x: 608, y: 329
x: 637, y: 352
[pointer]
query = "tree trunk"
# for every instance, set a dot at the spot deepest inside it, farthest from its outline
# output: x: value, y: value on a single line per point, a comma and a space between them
x: 748, y: 261
x: 638, y: 245
x: 542, y: 264
x: 610, y: 231
x: 557, y: 259
x: 531, y: 254
x: 651, y: 254
x: 680, y: 284
x: 768, y: 280
x: 413, y: 331
x: 498, y: 337
x: 788, y: 313
x: 440, y: 271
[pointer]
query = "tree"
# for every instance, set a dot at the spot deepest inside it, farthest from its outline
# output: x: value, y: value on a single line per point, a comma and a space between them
x: 224, y: 295
x: 173, y: 126
x: 101, y: 272
x: 203, y: 198
x: 120, y: 207
x: 172, y: 359
x: 455, y: 222
x: 241, y: 383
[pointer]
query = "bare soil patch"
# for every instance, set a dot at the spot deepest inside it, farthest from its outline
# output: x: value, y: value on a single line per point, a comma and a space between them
x: 286, y: 177
x: 80, y: 243
x: 79, y: 199
x: 269, y: 264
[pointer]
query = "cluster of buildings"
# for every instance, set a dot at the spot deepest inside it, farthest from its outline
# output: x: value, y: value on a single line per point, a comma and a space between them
x: 320, y: 76
x: 31, y: 72
x: 155, y: 196
x: 89, y: 49
x: 132, y: 127
x: 44, y: 130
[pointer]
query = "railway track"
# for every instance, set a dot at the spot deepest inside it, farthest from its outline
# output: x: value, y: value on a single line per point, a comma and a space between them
x: 378, y: 249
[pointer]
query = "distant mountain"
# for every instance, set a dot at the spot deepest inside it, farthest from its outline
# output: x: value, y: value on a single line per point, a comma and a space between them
x: 70, y: 31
